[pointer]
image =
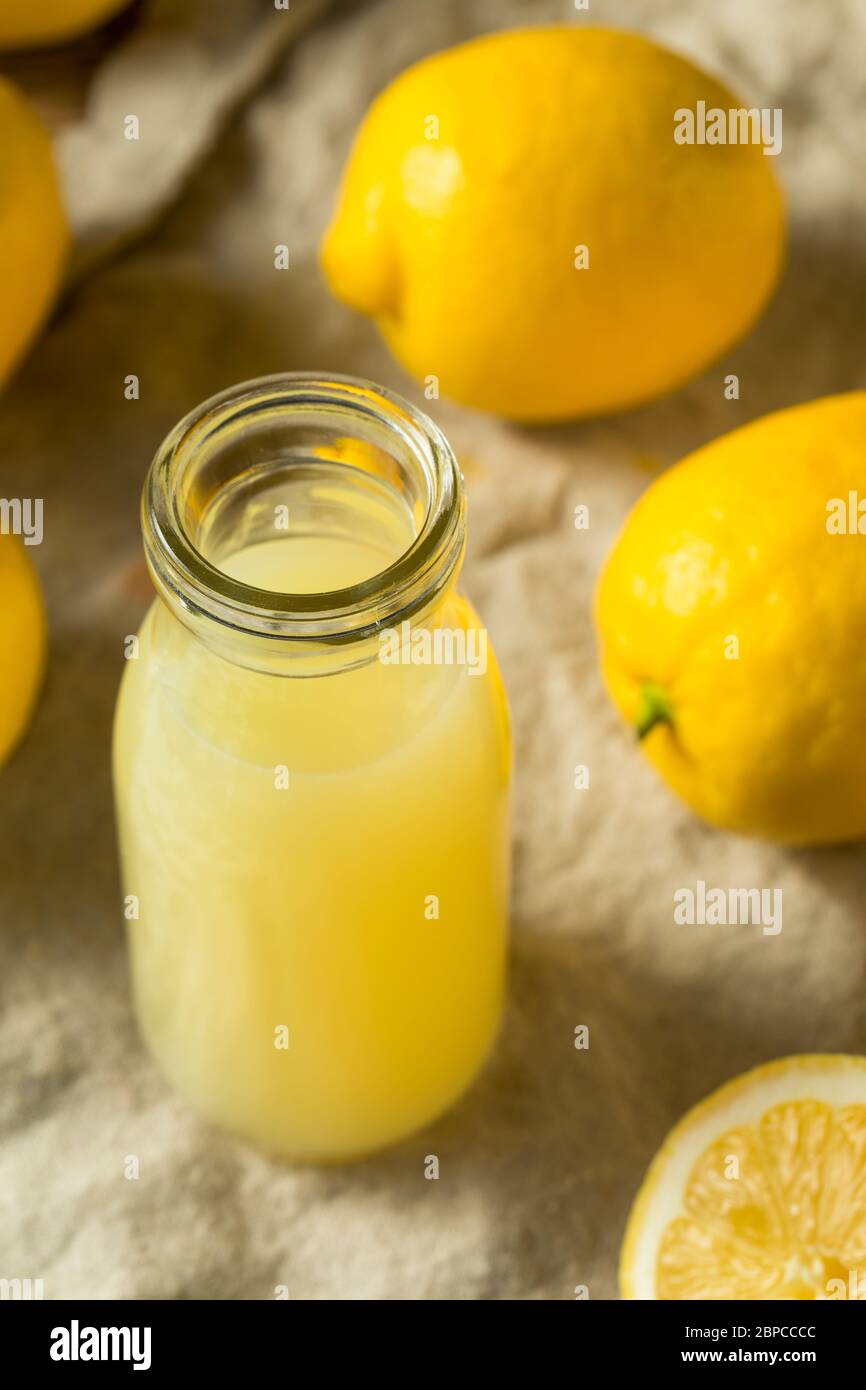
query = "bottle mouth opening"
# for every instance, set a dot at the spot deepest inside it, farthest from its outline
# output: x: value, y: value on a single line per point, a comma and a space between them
x: 297, y: 455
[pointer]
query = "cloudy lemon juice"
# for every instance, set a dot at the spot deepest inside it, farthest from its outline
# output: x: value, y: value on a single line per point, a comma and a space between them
x: 312, y: 805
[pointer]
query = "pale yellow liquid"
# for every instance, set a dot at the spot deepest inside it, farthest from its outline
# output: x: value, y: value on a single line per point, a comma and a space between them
x: 359, y: 913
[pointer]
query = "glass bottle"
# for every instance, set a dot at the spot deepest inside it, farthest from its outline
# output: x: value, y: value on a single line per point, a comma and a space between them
x: 312, y: 767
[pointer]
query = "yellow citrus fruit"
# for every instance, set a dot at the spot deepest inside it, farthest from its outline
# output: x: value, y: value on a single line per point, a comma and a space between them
x: 759, y: 1192
x: 34, y: 237
x: 34, y: 23
x: 478, y: 175
x: 732, y: 618
x: 22, y: 641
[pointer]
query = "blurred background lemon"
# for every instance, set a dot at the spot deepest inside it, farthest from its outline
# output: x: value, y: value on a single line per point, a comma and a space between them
x: 34, y: 236
x: 480, y: 173
x: 733, y: 626
x: 22, y: 641
x: 29, y: 23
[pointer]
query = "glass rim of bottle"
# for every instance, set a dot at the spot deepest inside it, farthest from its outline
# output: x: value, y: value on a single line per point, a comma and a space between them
x: 193, y: 584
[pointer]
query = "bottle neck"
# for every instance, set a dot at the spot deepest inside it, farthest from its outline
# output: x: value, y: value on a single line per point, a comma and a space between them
x: 341, y: 467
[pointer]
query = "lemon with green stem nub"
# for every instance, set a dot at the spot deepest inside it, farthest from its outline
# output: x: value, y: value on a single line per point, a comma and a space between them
x: 732, y: 621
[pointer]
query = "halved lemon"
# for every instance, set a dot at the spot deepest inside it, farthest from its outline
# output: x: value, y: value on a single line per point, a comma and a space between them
x: 759, y: 1192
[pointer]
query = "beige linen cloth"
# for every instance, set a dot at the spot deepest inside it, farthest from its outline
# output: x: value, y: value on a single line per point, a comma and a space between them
x: 539, y: 1163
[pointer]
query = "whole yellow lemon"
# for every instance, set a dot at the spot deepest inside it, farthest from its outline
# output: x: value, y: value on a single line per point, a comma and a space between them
x: 33, y: 23
x: 34, y: 237
x: 22, y: 641
x: 521, y: 222
x: 732, y: 616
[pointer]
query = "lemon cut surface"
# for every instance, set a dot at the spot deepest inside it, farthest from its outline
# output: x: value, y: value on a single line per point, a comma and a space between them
x: 759, y: 1192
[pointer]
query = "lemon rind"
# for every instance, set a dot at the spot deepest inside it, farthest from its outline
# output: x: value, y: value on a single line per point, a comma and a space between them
x: 835, y: 1078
